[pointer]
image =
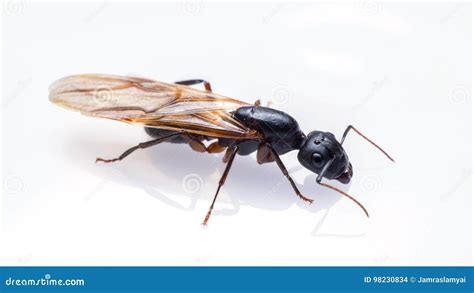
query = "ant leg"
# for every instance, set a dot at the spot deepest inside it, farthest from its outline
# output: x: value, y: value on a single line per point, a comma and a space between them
x: 215, y: 147
x: 287, y: 175
x: 264, y: 155
x: 200, y: 147
x: 364, y: 137
x: 207, y: 85
x: 258, y: 103
x: 142, y: 145
x: 232, y: 152
x: 197, y: 146
x: 194, y: 143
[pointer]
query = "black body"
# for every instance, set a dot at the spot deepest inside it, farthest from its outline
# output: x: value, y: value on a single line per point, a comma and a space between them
x: 159, y: 133
x: 283, y: 133
x: 278, y: 128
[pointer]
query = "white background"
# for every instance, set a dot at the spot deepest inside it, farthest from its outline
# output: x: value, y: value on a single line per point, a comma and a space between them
x: 400, y: 72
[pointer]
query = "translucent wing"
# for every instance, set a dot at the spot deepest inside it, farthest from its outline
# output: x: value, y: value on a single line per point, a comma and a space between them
x: 154, y: 104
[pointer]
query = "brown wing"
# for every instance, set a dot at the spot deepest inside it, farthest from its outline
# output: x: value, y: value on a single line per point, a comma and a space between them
x: 154, y: 104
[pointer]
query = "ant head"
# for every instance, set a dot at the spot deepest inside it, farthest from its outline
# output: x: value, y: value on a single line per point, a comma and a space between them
x: 323, y: 154
x: 321, y: 151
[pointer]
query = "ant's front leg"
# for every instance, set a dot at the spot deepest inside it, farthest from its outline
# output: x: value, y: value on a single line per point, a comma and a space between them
x: 207, y: 85
x: 287, y: 175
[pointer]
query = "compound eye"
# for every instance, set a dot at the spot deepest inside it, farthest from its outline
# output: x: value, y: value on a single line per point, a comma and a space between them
x: 317, y: 160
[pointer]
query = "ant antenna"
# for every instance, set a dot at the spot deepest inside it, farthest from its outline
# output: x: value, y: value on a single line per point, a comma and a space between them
x: 366, y: 138
x: 347, y: 195
x: 320, y: 177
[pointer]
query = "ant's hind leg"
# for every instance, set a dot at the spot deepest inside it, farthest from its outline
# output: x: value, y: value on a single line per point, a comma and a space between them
x: 207, y: 85
x: 142, y: 145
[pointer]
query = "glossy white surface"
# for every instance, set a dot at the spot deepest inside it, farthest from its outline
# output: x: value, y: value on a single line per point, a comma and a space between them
x: 401, y: 73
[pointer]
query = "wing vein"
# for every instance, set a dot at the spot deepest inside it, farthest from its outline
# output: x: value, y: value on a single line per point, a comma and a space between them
x: 154, y: 104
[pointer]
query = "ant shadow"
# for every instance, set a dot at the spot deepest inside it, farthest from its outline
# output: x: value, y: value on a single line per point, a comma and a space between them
x: 180, y: 177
